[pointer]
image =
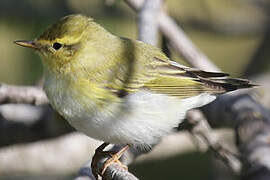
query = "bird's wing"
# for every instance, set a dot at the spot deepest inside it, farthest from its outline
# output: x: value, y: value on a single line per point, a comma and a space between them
x: 143, y: 66
x: 170, y: 78
x: 176, y: 80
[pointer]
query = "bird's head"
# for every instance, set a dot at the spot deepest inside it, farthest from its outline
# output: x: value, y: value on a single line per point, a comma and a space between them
x: 60, y: 43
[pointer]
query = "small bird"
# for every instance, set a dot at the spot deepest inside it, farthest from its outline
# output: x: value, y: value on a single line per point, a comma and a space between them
x: 118, y: 90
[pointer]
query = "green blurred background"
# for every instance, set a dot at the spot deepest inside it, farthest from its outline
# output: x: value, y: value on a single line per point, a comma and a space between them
x: 228, y: 32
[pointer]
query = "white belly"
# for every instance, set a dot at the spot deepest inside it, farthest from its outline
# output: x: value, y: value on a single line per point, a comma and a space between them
x: 141, y: 118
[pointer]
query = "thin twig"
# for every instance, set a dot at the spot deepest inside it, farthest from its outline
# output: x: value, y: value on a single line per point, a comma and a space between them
x: 201, y: 131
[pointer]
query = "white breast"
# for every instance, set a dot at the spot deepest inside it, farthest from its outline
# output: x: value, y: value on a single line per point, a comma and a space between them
x: 141, y: 118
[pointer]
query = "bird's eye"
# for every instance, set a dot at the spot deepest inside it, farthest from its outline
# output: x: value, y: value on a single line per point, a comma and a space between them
x: 57, y: 45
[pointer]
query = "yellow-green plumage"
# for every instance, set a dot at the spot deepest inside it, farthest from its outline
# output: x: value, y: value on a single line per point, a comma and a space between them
x: 128, y: 65
x: 103, y: 84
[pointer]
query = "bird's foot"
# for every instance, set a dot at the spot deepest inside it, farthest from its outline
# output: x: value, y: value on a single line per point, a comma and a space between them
x: 114, y: 158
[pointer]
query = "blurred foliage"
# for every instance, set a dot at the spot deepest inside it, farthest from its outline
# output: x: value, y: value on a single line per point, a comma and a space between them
x: 213, y: 25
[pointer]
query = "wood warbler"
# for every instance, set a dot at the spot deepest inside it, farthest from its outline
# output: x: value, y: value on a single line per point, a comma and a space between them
x: 118, y: 90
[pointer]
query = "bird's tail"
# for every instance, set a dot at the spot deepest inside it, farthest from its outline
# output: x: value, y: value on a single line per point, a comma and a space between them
x: 222, y: 82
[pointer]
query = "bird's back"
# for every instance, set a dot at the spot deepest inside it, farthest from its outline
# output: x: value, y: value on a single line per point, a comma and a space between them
x: 144, y: 66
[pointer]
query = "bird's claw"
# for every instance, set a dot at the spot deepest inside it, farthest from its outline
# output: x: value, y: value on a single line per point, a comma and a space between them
x: 114, y: 158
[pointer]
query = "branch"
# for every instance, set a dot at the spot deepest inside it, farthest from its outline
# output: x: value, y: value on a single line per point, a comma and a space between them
x: 114, y: 171
x: 252, y: 125
x: 201, y: 131
x: 179, y: 41
x: 148, y: 27
x: 64, y: 155
x: 22, y: 94
x: 21, y: 123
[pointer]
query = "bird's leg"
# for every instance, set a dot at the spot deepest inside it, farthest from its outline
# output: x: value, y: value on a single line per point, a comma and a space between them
x: 114, y: 158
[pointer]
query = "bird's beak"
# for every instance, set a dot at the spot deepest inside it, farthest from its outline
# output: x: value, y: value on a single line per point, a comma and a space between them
x: 29, y: 44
